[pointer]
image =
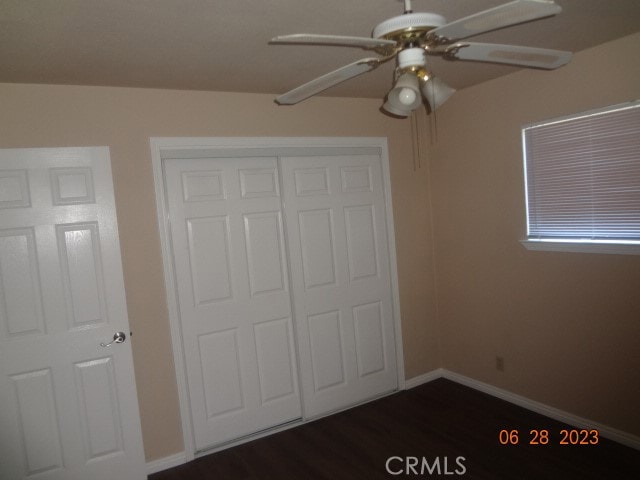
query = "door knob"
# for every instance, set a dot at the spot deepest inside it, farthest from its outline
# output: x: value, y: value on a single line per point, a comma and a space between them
x: 118, y: 337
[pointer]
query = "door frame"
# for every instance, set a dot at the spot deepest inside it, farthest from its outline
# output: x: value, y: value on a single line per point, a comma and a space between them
x: 183, y: 146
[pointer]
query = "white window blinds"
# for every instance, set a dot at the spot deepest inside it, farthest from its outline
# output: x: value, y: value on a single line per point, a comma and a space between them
x: 582, y: 176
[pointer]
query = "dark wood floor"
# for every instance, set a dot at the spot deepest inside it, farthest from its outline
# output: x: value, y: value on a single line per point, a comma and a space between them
x: 434, y: 421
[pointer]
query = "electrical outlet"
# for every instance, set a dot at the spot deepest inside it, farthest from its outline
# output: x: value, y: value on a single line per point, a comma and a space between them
x: 500, y: 364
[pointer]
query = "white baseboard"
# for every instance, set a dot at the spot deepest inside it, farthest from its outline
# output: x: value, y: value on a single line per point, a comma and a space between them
x: 605, y: 431
x: 155, y: 466
x: 424, y: 378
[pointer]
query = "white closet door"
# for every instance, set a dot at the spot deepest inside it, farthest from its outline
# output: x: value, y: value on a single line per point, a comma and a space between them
x: 337, y: 236
x: 233, y: 292
x: 68, y: 406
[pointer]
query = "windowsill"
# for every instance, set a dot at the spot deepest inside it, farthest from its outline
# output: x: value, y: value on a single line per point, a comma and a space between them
x: 582, y: 247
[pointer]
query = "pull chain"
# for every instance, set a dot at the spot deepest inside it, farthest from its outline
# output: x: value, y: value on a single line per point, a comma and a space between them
x: 416, y: 141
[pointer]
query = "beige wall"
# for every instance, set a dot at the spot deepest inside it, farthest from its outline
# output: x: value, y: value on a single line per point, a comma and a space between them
x: 567, y: 324
x: 124, y: 119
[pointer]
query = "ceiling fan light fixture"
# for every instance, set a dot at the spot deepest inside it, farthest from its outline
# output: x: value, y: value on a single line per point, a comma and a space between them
x: 388, y: 107
x: 436, y: 92
x: 405, y: 95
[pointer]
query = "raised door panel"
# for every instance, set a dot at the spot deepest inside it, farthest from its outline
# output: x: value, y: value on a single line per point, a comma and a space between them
x: 275, y: 355
x: 327, y: 357
x: 317, y: 245
x: 38, y: 422
x: 356, y: 179
x: 220, y: 363
x: 259, y: 183
x: 203, y: 186
x: 369, y: 335
x: 265, y: 252
x: 82, y: 274
x: 20, y: 299
x: 208, y: 239
x: 70, y: 186
x: 311, y: 181
x: 361, y: 241
x: 99, y: 407
x: 14, y: 189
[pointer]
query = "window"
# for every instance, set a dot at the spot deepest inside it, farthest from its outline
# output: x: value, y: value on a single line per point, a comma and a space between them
x: 582, y: 181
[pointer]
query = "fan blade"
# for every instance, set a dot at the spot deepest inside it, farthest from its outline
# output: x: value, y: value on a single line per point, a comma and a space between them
x: 509, y: 54
x: 338, y: 40
x: 436, y: 92
x: 328, y: 80
x: 501, y: 16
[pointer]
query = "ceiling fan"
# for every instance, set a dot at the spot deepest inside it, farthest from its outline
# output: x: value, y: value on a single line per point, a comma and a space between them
x: 412, y: 37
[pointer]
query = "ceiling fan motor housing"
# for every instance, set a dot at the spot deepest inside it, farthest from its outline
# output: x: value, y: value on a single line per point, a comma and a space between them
x: 404, y: 27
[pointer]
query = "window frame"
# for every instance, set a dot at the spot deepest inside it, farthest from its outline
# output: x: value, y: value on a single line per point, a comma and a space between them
x: 537, y: 243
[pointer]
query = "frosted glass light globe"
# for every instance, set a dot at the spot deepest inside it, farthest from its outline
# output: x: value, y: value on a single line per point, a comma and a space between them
x: 407, y: 96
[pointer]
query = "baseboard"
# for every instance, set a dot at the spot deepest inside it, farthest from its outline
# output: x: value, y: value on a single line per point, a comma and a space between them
x: 618, y: 436
x: 424, y: 378
x: 155, y: 466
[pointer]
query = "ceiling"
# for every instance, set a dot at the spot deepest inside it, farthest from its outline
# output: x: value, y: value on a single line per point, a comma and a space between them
x: 222, y: 45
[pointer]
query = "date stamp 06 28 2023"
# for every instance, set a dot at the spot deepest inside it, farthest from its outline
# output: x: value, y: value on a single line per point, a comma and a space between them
x: 546, y: 437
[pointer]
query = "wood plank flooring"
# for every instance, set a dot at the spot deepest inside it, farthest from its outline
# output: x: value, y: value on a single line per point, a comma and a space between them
x: 438, y: 420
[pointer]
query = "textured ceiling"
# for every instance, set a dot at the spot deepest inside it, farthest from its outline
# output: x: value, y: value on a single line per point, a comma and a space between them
x: 223, y: 44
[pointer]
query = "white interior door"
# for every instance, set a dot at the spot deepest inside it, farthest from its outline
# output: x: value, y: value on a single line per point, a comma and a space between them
x: 68, y: 406
x: 340, y: 269
x: 233, y: 295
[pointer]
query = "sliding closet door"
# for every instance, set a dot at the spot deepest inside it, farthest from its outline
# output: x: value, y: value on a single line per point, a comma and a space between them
x: 233, y: 295
x: 337, y: 235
